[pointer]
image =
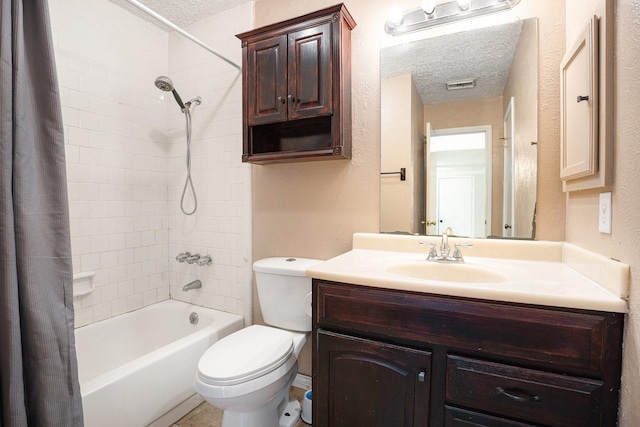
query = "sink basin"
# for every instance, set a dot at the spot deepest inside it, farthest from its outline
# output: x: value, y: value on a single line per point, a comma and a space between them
x: 464, y: 273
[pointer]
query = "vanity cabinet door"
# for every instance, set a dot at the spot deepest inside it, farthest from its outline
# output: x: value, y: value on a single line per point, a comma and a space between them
x: 366, y: 383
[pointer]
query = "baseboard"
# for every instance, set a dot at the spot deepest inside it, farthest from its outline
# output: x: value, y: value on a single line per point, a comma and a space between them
x: 302, y: 381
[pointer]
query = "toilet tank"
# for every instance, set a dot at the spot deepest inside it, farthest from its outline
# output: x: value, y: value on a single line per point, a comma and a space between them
x: 284, y: 291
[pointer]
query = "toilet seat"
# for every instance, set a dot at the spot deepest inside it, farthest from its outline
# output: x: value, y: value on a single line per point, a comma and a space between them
x: 245, y: 355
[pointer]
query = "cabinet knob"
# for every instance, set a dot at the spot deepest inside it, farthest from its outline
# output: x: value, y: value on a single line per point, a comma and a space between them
x: 292, y: 99
x: 281, y: 100
x: 421, y: 376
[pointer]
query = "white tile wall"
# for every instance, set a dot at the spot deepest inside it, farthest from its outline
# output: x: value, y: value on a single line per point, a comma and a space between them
x: 125, y: 159
x: 221, y: 227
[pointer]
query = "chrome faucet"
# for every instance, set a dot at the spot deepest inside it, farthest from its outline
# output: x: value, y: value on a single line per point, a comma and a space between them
x: 445, y: 250
x: 196, y: 284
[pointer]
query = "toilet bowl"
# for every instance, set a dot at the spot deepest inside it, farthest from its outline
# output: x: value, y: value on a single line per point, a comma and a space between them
x: 248, y: 374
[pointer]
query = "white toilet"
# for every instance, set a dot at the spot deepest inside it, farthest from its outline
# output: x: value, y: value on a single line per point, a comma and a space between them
x: 248, y: 373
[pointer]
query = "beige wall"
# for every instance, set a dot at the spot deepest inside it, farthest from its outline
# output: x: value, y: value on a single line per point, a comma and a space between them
x: 582, y: 207
x: 476, y: 112
x: 396, y: 196
x: 312, y: 209
x: 522, y: 86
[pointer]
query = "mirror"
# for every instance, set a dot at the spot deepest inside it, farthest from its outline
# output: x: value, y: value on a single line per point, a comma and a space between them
x: 459, y: 133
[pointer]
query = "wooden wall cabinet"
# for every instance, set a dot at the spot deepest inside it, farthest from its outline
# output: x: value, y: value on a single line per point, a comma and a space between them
x: 587, y: 134
x: 579, y: 106
x: 398, y: 358
x: 297, y: 88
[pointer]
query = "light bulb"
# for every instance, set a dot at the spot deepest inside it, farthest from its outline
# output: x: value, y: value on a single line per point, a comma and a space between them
x: 395, y: 17
x: 464, y: 4
x: 429, y: 6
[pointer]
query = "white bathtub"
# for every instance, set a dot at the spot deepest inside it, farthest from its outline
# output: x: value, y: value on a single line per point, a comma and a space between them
x: 137, y: 367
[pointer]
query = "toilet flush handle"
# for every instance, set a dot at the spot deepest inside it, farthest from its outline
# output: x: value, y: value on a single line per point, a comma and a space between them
x: 307, y: 302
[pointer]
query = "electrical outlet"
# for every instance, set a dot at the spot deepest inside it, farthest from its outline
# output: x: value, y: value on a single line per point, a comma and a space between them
x: 604, y: 213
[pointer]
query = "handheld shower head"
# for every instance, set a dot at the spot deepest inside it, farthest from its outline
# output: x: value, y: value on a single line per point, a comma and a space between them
x: 164, y: 83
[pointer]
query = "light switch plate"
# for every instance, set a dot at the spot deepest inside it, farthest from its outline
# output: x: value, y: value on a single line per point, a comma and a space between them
x: 604, y: 213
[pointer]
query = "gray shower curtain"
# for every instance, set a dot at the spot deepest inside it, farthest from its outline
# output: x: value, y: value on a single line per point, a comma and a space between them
x: 38, y: 368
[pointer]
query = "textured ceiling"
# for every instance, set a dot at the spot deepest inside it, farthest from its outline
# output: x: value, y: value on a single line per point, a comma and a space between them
x: 485, y: 54
x: 183, y: 12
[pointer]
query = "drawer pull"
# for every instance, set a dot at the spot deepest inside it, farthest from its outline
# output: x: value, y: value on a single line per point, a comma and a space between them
x: 519, y: 395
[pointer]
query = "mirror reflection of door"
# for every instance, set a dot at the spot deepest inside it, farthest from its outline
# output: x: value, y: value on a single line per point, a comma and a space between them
x: 508, y: 187
x: 459, y: 181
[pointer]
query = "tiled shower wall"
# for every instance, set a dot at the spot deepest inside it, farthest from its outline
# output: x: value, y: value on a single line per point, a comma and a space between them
x: 125, y: 156
x: 221, y: 226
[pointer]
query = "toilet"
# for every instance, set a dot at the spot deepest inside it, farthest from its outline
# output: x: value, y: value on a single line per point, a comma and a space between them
x: 248, y: 373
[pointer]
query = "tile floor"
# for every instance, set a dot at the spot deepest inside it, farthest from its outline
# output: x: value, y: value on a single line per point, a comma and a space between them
x: 206, y: 415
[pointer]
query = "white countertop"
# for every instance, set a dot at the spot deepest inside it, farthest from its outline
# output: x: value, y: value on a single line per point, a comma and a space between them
x: 544, y: 273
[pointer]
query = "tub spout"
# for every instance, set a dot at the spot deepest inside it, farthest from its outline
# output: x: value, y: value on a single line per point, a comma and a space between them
x: 196, y: 284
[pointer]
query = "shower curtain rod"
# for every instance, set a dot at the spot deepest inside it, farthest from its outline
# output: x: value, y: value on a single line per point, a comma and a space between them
x: 174, y: 27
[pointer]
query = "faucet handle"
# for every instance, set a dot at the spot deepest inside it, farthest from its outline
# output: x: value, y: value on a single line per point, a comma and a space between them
x: 193, y: 258
x: 205, y: 260
x: 432, y: 251
x: 457, y: 254
x: 182, y: 256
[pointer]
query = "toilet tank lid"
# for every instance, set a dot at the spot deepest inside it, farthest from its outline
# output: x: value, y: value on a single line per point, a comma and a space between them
x: 288, y: 266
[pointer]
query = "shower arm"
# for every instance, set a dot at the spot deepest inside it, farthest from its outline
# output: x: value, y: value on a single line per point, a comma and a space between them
x: 174, y: 27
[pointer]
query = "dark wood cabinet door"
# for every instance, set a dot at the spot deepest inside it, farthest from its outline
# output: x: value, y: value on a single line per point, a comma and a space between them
x: 366, y: 383
x: 310, y: 76
x: 267, y: 81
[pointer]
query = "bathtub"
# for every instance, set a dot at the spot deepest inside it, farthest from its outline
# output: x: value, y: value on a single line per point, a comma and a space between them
x: 137, y: 368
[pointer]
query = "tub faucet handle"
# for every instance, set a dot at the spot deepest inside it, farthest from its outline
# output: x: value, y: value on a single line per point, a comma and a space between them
x: 193, y: 258
x: 182, y: 256
x: 205, y: 260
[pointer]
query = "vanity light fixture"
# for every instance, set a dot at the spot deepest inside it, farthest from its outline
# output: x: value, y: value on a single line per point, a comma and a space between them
x: 438, y: 12
x: 464, y: 4
x: 395, y: 16
x: 429, y: 6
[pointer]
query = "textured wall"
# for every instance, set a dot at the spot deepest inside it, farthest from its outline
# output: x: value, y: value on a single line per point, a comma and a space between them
x: 582, y: 207
x: 396, y: 196
x: 312, y: 209
x: 523, y: 87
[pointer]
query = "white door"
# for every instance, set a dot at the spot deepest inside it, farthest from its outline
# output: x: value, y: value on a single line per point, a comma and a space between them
x: 456, y: 205
x: 459, y: 181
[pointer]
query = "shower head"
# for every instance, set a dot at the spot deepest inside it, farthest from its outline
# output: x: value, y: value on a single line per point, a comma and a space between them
x: 164, y: 83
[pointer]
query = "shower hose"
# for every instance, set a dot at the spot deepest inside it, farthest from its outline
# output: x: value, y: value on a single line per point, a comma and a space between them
x: 188, y: 182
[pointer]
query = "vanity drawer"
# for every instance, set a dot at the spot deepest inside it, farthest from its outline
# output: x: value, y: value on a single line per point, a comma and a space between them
x: 525, y: 394
x: 457, y: 417
x: 567, y: 338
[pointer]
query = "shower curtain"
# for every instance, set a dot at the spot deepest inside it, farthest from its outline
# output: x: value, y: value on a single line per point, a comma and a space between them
x: 38, y: 368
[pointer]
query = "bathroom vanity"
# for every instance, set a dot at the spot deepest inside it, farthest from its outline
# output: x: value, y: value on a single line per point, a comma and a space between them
x: 394, y: 349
